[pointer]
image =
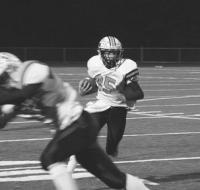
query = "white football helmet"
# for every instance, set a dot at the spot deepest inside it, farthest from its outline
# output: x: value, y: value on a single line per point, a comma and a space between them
x: 8, y: 62
x: 110, y: 49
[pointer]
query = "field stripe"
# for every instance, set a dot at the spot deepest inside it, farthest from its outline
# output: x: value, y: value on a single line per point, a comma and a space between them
x: 171, y: 90
x: 27, y: 162
x: 164, y: 115
x: 22, y: 122
x: 23, y: 140
x: 158, y: 160
x: 12, y: 163
x: 42, y: 177
x: 13, y: 176
x: 172, y: 97
x: 168, y: 105
x: 33, y: 167
x: 104, y: 136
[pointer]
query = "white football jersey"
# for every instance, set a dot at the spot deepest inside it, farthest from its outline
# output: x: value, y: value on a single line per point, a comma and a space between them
x: 107, y: 80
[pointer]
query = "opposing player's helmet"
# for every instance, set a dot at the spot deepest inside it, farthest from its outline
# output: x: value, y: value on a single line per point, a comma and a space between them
x: 110, y: 49
x: 8, y: 62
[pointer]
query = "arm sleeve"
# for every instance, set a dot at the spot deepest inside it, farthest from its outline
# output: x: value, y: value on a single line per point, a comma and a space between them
x: 130, y: 70
x: 133, y: 91
x: 17, y: 96
x: 95, y: 67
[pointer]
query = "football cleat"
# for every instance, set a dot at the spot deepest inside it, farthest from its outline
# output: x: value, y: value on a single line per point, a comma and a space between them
x: 134, y: 183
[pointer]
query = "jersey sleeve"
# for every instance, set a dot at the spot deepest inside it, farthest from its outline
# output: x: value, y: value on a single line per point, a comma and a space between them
x: 35, y: 73
x: 129, y: 70
x: 95, y: 67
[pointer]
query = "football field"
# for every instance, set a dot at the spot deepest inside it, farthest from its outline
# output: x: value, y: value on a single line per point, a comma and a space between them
x: 161, y: 141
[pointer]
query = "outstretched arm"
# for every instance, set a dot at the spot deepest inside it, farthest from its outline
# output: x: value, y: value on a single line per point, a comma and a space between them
x: 17, y: 96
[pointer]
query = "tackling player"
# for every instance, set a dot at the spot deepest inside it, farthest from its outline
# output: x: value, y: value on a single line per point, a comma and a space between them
x: 76, y: 134
x: 116, y: 79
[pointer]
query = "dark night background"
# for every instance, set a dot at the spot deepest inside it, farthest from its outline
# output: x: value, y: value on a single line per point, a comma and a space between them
x: 73, y: 23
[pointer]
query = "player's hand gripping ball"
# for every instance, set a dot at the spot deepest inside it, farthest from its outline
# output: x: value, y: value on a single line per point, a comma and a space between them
x: 87, y: 86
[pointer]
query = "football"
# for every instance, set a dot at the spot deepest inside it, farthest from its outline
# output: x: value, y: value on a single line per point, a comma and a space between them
x: 87, y: 86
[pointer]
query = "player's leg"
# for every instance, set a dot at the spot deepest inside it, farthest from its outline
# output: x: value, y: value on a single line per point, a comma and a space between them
x: 116, y: 126
x: 96, y: 161
x: 53, y: 160
x: 61, y: 177
x: 100, y: 118
x: 65, y: 143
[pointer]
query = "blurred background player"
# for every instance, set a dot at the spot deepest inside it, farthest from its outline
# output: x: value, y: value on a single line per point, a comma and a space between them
x: 116, y: 79
x: 76, y: 133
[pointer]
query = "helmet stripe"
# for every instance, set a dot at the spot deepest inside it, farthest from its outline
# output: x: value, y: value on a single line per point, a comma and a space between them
x: 114, y: 42
x: 110, y: 40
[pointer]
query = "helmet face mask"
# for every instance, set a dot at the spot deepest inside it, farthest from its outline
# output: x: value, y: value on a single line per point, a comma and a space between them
x: 110, y: 57
x: 110, y: 50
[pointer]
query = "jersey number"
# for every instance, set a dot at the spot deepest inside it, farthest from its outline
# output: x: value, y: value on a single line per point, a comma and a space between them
x: 105, y: 83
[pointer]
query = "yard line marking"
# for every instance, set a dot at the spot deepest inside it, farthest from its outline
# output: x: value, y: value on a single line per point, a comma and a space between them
x: 18, y: 175
x: 158, y: 160
x: 117, y: 162
x: 166, y: 114
x: 162, y: 134
x: 33, y: 167
x: 149, y: 83
x: 172, y: 97
x: 159, y: 113
x: 22, y: 140
x: 103, y: 136
x: 22, y: 122
x: 42, y: 177
x: 159, y: 116
x: 72, y: 74
x: 169, y: 105
x: 20, y: 168
x: 149, y: 117
x: 31, y: 171
x: 143, y: 112
x: 12, y: 163
x: 169, y: 90
x: 153, y: 77
x: 20, y: 172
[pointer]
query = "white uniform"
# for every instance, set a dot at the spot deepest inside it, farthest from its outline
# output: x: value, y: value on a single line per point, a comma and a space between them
x: 107, y: 81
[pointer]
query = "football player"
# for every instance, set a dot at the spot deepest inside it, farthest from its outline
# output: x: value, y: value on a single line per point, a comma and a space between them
x: 76, y: 134
x: 116, y: 79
